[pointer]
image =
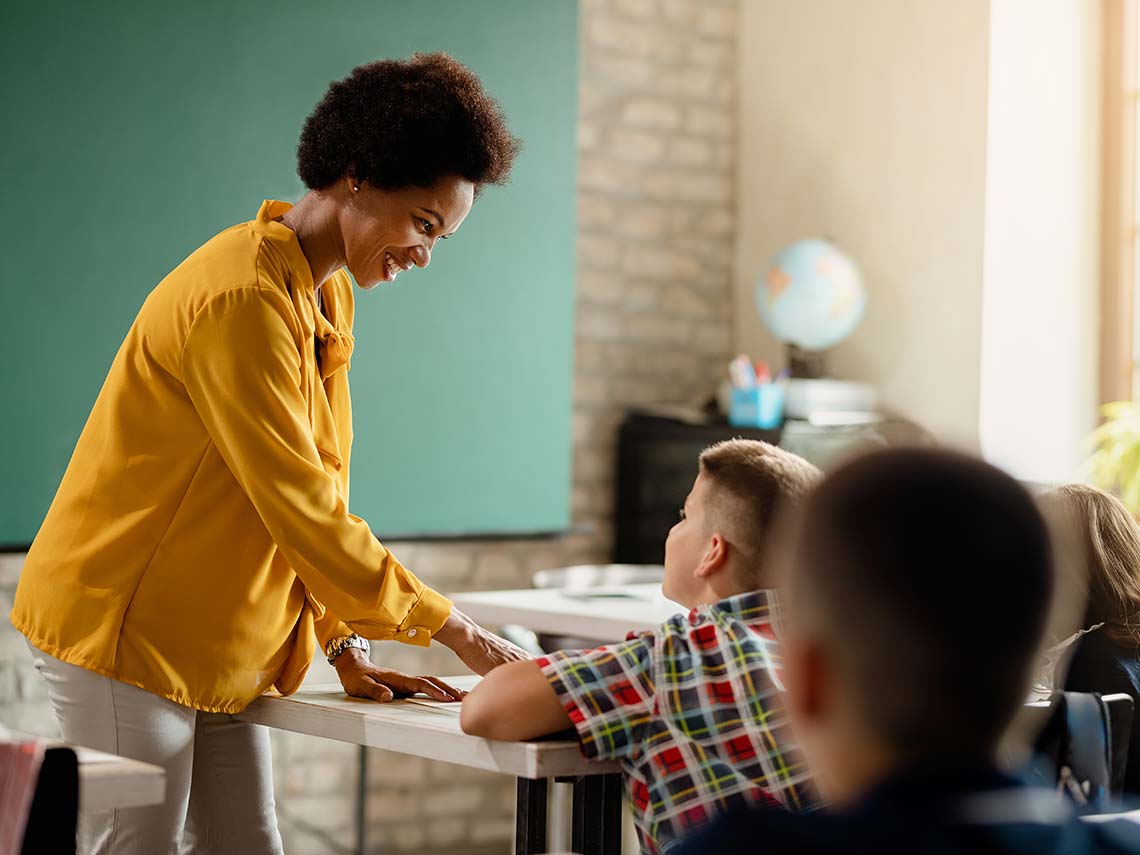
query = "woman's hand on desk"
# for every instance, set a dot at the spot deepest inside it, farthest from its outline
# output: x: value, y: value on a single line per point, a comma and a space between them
x: 362, y: 679
x: 478, y: 649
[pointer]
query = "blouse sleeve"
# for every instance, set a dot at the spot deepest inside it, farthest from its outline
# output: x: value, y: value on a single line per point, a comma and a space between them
x: 242, y: 370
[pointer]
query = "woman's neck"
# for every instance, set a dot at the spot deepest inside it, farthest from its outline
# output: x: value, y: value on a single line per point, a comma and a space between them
x: 313, y: 219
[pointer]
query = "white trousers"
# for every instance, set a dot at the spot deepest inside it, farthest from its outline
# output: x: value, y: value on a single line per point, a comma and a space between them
x: 219, y: 777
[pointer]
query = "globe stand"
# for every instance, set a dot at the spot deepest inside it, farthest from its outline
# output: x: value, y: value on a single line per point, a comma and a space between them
x: 810, y: 393
x: 804, y: 364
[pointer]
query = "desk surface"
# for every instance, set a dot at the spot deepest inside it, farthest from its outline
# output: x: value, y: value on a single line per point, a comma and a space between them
x: 602, y: 614
x: 107, y: 782
x: 420, y: 727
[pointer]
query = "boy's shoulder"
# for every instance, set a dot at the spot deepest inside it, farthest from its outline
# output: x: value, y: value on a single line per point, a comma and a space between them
x: 749, y: 619
x: 745, y: 625
x: 690, y: 661
x: 719, y: 660
x: 757, y: 611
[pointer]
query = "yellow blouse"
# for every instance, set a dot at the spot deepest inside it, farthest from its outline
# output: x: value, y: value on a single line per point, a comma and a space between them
x: 200, y: 542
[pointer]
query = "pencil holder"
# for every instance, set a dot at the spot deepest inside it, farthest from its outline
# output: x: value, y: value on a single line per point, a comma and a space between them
x: 757, y: 406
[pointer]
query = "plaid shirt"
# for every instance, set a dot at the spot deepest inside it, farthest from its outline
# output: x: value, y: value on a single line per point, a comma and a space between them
x: 692, y: 712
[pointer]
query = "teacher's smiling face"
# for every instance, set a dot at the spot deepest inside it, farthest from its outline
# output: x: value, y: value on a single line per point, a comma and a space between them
x: 386, y: 232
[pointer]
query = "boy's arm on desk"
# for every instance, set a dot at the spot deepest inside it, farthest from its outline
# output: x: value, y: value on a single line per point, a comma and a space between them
x: 513, y: 702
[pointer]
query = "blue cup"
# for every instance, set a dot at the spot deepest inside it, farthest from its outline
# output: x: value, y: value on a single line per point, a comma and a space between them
x: 757, y: 406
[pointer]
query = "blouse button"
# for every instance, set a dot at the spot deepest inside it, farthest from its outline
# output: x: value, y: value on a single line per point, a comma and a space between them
x: 411, y: 633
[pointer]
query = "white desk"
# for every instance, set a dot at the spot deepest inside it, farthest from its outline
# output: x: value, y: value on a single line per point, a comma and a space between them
x: 417, y: 726
x: 602, y: 614
x: 108, y: 782
x: 96, y: 782
x: 427, y: 728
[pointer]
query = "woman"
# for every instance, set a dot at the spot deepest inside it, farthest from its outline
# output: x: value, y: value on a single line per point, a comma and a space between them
x: 1105, y: 655
x: 200, y: 544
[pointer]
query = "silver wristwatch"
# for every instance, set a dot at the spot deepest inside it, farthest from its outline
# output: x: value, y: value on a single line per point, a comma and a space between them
x: 338, y: 645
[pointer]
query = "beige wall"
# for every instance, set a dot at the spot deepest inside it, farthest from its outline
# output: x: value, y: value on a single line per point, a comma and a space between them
x: 866, y: 123
x: 1039, y: 307
x: 952, y: 150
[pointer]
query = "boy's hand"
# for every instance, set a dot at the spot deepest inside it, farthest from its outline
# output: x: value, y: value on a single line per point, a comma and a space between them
x: 362, y: 679
x: 478, y: 649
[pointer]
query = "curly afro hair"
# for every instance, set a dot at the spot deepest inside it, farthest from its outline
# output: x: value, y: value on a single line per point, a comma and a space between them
x: 400, y: 123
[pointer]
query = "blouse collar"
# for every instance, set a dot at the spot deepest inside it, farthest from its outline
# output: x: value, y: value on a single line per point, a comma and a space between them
x: 334, y: 337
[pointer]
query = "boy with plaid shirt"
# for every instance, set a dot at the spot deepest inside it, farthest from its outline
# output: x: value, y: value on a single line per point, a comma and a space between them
x: 692, y: 710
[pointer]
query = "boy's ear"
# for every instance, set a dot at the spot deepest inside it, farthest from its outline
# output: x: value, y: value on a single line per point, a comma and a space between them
x: 714, y: 558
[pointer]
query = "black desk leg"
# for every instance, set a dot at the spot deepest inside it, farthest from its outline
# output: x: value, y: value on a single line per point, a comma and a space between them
x: 530, y: 817
x: 597, y: 815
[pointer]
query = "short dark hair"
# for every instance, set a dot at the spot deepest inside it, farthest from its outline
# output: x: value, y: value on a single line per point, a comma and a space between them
x: 752, y: 484
x: 401, y: 123
x: 931, y: 575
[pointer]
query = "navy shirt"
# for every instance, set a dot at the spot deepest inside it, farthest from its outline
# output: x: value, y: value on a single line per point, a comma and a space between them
x: 1100, y: 664
x: 955, y: 812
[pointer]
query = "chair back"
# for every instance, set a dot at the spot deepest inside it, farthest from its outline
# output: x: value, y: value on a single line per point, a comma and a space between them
x: 1082, y: 746
x: 53, y: 816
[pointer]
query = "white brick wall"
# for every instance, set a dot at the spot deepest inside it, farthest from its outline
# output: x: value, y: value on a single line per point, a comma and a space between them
x: 656, y: 223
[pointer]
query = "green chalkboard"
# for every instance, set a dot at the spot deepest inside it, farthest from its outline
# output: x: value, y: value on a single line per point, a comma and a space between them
x: 134, y: 131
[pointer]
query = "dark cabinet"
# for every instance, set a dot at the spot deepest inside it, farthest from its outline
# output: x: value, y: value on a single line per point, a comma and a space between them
x: 657, y: 463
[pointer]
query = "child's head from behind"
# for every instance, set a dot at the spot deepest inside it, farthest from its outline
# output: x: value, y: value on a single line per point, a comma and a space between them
x: 918, y: 585
x: 717, y: 549
x: 1105, y: 562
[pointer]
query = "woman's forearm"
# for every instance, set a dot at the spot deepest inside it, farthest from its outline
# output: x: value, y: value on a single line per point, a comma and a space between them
x: 480, y: 650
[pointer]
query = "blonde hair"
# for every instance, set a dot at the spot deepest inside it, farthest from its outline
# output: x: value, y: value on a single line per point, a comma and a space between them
x: 752, y: 483
x: 1109, y: 546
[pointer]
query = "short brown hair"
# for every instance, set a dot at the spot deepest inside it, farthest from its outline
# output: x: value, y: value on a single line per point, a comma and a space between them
x: 752, y: 483
x: 930, y: 575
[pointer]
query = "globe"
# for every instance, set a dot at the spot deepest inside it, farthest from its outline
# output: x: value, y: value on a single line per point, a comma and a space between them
x: 811, y: 296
